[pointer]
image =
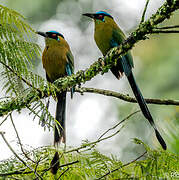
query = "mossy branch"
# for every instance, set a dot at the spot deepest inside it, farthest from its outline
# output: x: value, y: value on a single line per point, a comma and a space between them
x: 101, y: 66
x: 145, y: 9
x: 126, y: 98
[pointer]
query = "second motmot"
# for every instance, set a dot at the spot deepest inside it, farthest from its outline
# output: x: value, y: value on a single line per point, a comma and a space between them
x: 58, y: 62
x: 108, y: 35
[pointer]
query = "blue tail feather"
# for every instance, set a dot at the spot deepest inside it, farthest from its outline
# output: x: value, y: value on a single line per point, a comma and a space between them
x: 69, y: 73
x: 126, y: 67
x: 141, y: 101
x: 143, y: 106
x: 60, y: 117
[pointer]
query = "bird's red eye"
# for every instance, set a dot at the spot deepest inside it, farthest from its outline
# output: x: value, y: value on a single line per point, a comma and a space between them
x: 100, y: 16
x: 53, y: 35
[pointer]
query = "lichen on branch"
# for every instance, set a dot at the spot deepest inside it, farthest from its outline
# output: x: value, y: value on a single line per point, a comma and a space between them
x: 102, y: 65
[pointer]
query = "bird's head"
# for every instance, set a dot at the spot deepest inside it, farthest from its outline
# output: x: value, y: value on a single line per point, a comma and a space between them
x: 100, y: 17
x: 51, y: 36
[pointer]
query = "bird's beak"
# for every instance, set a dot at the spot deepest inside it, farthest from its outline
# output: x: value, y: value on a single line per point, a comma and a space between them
x: 89, y: 15
x: 42, y: 33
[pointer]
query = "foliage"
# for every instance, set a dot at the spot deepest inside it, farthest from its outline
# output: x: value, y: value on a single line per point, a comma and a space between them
x: 17, y: 52
x: 153, y: 164
x: 25, y: 89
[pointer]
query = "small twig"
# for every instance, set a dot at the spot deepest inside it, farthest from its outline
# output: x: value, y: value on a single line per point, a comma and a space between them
x: 94, y: 142
x: 15, y: 178
x: 68, y: 164
x: 63, y: 165
x: 2, y: 134
x: 126, y: 97
x: 17, y: 156
x: 167, y: 27
x: 36, y: 166
x: 32, y: 171
x: 15, y: 172
x: 4, y: 119
x: 6, y: 97
x: 126, y: 118
x: 158, y: 32
x: 145, y: 9
x: 20, y: 143
x: 20, y: 77
x: 63, y: 173
x: 122, y: 166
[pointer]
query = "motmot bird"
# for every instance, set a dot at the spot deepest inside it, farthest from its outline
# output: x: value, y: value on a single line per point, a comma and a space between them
x: 107, y: 35
x: 57, y: 61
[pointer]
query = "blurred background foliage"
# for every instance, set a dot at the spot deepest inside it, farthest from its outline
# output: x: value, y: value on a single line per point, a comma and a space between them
x: 155, y: 59
x: 94, y: 165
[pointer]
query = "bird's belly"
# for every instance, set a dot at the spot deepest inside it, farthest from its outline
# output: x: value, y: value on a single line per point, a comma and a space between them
x: 54, y: 64
x: 103, y: 43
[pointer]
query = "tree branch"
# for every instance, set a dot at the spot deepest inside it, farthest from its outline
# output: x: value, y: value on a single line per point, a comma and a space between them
x: 5, y: 119
x: 115, y: 126
x: 84, y: 146
x: 63, y: 173
x: 20, y: 77
x: 92, y: 144
x: 17, y: 156
x: 122, y: 166
x: 63, y: 165
x: 23, y: 171
x: 2, y: 134
x: 20, y: 143
x: 126, y: 98
x: 163, y: 13
x: 168, y: 27
x: 145, y: 9
x: 161, y: 31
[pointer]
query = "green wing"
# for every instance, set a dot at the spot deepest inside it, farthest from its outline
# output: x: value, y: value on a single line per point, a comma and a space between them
x: 70, y: 68
x: 117, y: 38
x: 70, y: 62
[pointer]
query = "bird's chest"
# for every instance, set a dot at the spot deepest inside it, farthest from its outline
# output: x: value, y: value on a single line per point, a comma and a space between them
x: 102, y: 38
x: 54, y: 62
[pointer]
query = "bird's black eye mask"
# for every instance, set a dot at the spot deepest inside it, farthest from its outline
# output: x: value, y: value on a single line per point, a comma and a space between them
x: 101, y: 16
x: 54, y: 35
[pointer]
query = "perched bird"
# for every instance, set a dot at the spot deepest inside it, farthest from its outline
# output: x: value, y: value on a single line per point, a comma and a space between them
x: 108, y: 35
x: 58, y: 62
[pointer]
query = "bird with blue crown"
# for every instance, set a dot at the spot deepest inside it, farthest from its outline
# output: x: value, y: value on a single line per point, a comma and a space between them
x: 58, y: 62
x: 107, y: 35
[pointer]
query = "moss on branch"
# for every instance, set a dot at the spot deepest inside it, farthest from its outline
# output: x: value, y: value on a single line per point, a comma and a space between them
x: 100, y: 66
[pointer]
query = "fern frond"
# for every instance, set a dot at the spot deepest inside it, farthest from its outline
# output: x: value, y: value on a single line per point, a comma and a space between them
x: 12, y: 84
x: 18, y: 56
x: 39, y: 110
x: 16, y: 49
x: 12, y: 18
